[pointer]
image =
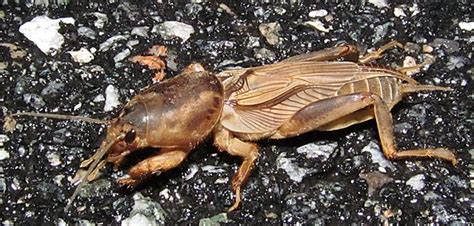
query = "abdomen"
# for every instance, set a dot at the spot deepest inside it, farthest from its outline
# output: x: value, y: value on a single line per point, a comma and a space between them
x: 383, y: 85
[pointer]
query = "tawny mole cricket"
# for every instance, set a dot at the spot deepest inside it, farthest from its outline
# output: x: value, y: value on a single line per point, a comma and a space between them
x: 239, y: 107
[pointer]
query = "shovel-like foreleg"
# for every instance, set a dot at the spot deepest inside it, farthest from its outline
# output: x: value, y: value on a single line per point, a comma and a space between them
x: 165, y: 160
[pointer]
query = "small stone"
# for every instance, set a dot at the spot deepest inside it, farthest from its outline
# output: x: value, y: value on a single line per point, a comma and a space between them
x: 82, y: 56
x: 54, y: 158
x: 52, y: 88
x: 99, y: 98
x: 451, y: 46
x: 398, y: 12
x: 271, y: 32
x: 213, y: 169
x: 61, y: 222
x: 58, y: 179
x: 468, y: 26
x: 279, y: 10
x: 3, y: 185
x: 318, y: 13
x: 431, y: 195
x: 145, y: 212
x: 15, y: 51
x: 377, y: 156
x: 101, y: 20
x: 122, y: 55
x: 171, y: 60
x: 379, y: 3
x: 375, y: 180
x: 318, y: 25
x: 4, y: 154
x: 221, y: 180
x: 456, y: 62
x: 34, y: 100
x: 104, y: 46
x: 141, y: 31
x: 43, y: 31
x: 380, y: 31
x: 193, y: 9
x: 192, y: 170
x: 411, y: 47
x: 295, y: 172
x: 86, y: 32
x: 416, y: 182
x: 418, y: 112
x: 253, y: 42
x: 321, y: 149
x: 130, y: 44
x: 215, y: 220
x: 403, y: 127
x: 138, y: 219
x: 111, y: 98
x: 171, y: 29
x: 264, y: 53
x: 227, y: 9
x: 414, y: 9
x: 77, y: 106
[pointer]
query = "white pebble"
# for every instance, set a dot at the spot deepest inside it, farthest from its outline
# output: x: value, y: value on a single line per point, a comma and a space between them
x: 82, y: 56
x: 398, y: 12
x: 77, y: 106
x: 318, y: 25
x: 468, y: 26
x: 416, y: 182
x: 111, y: 98
x: 101, y: 20
x: 99, y: 98
x: 171, y: 29
x: 377, y: 156
x: 43, y: 31
x: 379, y: 3
x: 322, y: 150
x: 138, y: 219
x: 318, y: 13
x: 4, y: 154
x: 54, y: 158
x: 295, y: 172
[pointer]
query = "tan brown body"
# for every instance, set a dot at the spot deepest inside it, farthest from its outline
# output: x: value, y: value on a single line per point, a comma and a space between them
x: 238, y: 107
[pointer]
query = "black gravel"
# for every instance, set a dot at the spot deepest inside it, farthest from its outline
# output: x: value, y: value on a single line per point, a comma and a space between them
x: 43, y: 155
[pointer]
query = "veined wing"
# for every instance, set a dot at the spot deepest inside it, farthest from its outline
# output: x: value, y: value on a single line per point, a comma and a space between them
x: 260, y: 99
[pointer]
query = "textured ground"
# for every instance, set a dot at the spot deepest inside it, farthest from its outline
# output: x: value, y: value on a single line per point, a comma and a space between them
x: 315, y: 178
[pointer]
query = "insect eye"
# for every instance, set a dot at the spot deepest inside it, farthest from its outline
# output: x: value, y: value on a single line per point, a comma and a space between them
x: 130, y: 136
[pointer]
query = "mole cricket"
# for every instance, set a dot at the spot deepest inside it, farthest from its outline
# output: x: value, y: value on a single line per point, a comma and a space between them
x: 313, y: 91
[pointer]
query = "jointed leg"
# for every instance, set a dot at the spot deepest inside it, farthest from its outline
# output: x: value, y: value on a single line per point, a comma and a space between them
x: 351, y: 109
x: 378, y: 53
x: 348, y: 52
x: 224, y: 140
x: 385, y: 128
x: 165, y: 160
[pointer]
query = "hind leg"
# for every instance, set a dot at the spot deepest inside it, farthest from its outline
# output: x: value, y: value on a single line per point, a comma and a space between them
x: 340, y: 112
x: 378, y: 53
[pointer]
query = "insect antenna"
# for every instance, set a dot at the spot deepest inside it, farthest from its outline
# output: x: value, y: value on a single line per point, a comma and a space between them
x: 60, y: 116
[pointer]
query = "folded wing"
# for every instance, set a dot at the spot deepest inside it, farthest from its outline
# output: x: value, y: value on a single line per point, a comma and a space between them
x: 260, y: 99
